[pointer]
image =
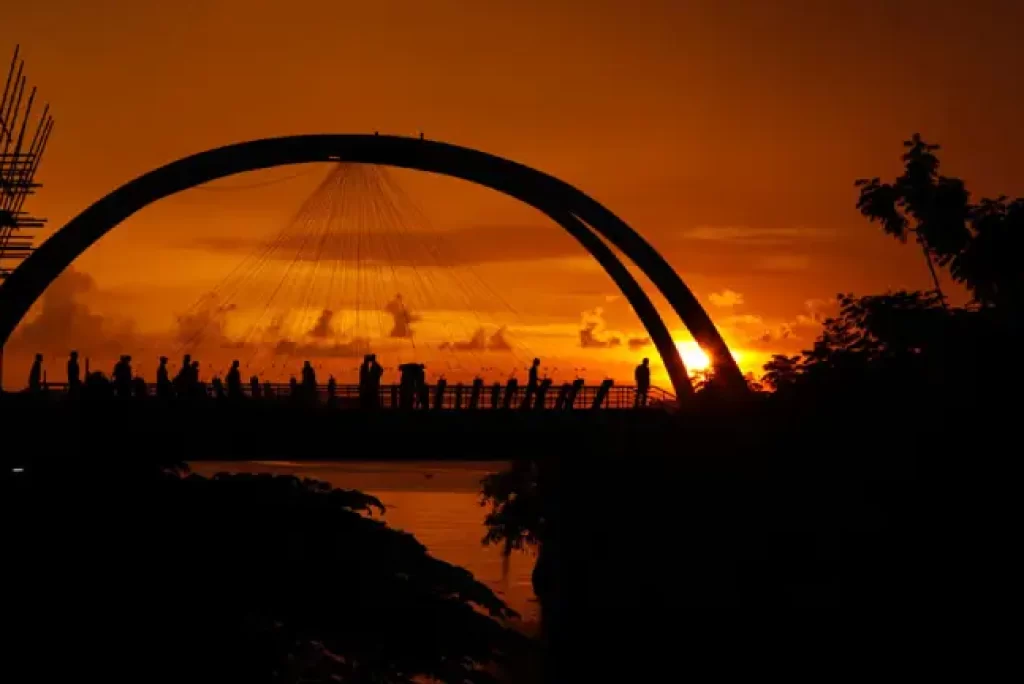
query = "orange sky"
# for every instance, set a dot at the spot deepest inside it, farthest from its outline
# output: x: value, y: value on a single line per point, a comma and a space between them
x: 727, y: 133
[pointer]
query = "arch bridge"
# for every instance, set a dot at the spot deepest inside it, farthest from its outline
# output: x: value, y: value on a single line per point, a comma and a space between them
x: 585, y: 219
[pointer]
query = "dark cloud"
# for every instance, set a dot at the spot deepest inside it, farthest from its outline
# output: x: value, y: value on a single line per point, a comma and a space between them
x: 205, y: 324
x: 402, y: 318
x: 66, y: 322
x: 593, y: 332
x: 480, y: 341
x: 777, y: 334
x: 498, y: 341
x: 637, y: 343
x: 322, y: 328
x: 354, y: 348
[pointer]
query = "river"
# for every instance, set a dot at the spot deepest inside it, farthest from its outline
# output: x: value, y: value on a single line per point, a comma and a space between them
x: 437, y: 502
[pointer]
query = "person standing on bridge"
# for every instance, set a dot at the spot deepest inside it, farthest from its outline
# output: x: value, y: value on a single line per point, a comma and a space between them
x: 531, y: 384
x: 642, y: 375
x: 308, y: 382
x: 123, y: 377
x: 181, y: 381
x: 406, y: 385
x: 332, y: 391
x: 218, y: 387
x: 164, y: 390
x: 196, y: 388
x: 375, y: 372
x: 74, y: 375
x: 234, y: 378
x: 35, y: 375
x: 364, y: 381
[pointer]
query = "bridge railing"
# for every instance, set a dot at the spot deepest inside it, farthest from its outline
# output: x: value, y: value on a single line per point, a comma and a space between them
x: 453, y: 397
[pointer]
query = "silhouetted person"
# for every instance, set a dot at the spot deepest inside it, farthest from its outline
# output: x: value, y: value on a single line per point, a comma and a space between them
x: 364, y: 382
x: 308, y: 382
x: 234, y: 378
x: 531, y: 383
x: 182, y: 385
x: 35, y: 375
x: 495, y: 395
x: 643, y: 383
x: 268, y: 390
x: 254, y: 387
x: 164, y: 390
x: 218, y: 387
x: 97, y: 386
x: 139, y: 389
x: 123, y: 377
x: 74, y: 375
x: 332, y: 391
x: 408, y: 384
x: 293, y: 388
x: 195, y: 387
x: 373, y: 376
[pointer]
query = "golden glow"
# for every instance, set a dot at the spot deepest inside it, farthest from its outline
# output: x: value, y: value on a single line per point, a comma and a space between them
x: 772, y: 248
x: 693, y: 356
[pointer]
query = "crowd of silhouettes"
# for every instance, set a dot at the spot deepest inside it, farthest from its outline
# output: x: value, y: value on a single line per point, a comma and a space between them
x: 411, y: 391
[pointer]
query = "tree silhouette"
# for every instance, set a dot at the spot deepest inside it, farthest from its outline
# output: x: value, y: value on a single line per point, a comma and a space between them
x: 249, y: 578
x: 515, y: 519
x: 888, y: 347
x: 981, y: 244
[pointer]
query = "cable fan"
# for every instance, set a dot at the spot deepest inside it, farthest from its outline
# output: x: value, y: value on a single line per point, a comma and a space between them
x: 358, y: 269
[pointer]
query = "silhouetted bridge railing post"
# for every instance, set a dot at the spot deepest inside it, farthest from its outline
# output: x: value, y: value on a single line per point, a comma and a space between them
x: 572, y: 396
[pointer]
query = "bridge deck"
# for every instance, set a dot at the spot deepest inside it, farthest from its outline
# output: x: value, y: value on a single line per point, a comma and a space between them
x: 456, y: 397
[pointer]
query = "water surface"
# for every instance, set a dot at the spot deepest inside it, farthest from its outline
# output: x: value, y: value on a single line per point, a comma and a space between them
x: 437, y: 502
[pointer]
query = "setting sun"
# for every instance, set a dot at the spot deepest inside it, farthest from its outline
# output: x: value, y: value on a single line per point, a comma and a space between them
x: 693, y: 356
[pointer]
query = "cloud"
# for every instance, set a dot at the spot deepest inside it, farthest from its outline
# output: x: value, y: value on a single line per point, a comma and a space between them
x: 204, y: 324
x: 322, y: 328
x: 402, y: 318
x: 816, y: 311
x: 743, y: 320
x: 480, y: 341
x: 759, y: 333
x: 65, y: 322
x: 726, y: 299
x: 355, y: 348
x: 637, y: 343
x: 777, y: 334
x: 498, y: 341
x: 760, y: 236
x: 593, y: 333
